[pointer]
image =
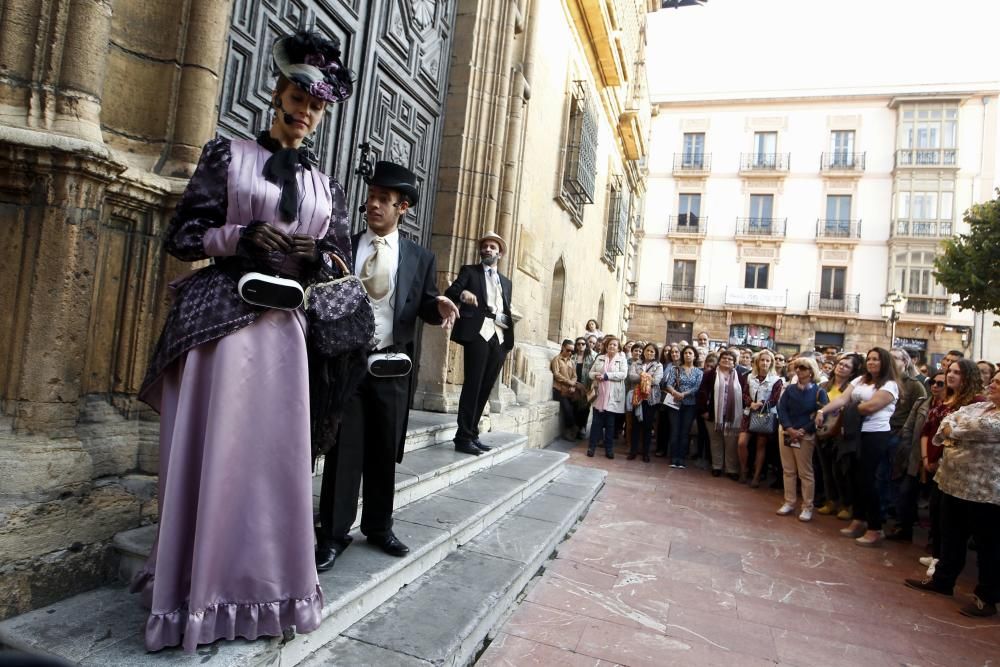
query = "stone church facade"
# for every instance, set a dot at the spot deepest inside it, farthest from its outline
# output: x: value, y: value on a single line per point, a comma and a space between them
x: 526, y: 117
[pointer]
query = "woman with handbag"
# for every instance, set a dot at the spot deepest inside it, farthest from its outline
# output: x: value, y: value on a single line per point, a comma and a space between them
x: 760, y: 396
x: 796, y: 410
x: 608, y: 376
x: 682, y: 385
x: 645, y: 376
x: 720, y: 401
x: 233, y: 556
x: 670, y: 356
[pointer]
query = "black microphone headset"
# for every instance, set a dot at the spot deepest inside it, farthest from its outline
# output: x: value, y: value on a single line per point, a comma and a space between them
x: 287, y: 117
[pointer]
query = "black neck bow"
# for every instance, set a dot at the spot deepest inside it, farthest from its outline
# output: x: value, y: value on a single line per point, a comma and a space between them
x: 280, y: 169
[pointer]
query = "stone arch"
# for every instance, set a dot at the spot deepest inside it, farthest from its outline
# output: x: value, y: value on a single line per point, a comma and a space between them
x: 556, y: 293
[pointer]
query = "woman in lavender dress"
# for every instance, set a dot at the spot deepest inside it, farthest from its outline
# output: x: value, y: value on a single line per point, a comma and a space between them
x: 234, y: 552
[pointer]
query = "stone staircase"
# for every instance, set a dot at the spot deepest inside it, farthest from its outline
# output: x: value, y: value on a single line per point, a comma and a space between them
x: 478, y: 527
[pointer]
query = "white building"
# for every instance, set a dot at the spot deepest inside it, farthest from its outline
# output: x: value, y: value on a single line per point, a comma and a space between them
x: 788, y: 218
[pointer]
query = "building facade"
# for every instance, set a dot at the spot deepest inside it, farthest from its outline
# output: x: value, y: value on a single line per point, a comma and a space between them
x: 788, y: 221
x: 525, y: 117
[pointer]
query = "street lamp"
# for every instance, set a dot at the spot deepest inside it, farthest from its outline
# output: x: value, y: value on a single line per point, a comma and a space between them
x: 892, y: 310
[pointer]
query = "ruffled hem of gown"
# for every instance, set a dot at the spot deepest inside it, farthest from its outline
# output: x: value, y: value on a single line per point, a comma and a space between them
x: 227, y: 620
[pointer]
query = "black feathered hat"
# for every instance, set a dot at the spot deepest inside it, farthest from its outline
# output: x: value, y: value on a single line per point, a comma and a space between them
x: 396, y: 177
x: 313, y: 64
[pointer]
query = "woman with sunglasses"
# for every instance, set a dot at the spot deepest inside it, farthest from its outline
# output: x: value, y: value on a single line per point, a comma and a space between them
x: 963, y: 386
x: 970, y: 487
x: 836, y: 471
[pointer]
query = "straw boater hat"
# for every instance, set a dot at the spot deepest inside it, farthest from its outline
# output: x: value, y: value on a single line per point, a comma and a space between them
x: 493, y: 236
x: 313, y: 64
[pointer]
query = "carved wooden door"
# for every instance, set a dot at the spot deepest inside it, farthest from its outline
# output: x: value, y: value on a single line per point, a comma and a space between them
x: 398, y: 50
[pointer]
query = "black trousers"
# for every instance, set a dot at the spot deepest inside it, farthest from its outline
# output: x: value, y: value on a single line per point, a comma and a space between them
x: 370, y: 434
x: 960, y: 520
x: 867, y: 506
x: 483, y: 361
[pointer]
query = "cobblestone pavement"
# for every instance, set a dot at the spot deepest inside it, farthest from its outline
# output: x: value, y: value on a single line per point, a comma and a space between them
x: 675, y: 567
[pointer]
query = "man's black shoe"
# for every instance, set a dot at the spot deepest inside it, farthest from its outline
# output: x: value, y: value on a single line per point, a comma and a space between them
x: 467, y: 448
x: 479, y: 443
x: 928, y: 585
x: 325, y: 556
x: 390, y: 544
x: 900, y: 536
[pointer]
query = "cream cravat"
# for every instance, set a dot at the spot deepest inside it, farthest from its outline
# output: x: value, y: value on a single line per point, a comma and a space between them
x: 375, y: 272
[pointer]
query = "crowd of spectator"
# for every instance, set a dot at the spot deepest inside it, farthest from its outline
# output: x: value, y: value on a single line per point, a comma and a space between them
x: 862, y: 437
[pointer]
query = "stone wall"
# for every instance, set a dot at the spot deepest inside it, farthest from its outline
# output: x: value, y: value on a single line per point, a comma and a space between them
x: 104, y: 113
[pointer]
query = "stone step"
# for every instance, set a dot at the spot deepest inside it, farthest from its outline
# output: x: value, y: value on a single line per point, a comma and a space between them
x: 424, y: 429
x: 422, y: 472
x: 470, y: 593
x: 104, y: 627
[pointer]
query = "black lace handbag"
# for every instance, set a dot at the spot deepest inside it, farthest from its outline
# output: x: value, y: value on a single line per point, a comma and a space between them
x: 340, y: 314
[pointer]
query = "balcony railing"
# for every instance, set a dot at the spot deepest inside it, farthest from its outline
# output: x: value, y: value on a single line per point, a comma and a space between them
x: 848, y: 303
x: 682, y: 293
x: 688, y: 224
x: 923, y: 228
x: 927, y: 157
x: 692, y: 163
x: 774, y: 227
x: 918, y: 306
x: 838, y: 161
x: 838, y: 229
x: 768, y: 163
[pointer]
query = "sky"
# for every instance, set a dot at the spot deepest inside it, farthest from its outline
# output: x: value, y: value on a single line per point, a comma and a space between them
x: 789, y: 45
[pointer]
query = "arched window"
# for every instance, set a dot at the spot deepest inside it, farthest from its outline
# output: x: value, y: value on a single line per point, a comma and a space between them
x: 556, y: 293
x: 600, y: 316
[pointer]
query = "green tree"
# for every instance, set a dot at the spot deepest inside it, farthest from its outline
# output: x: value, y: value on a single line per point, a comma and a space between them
x: 970, y: 264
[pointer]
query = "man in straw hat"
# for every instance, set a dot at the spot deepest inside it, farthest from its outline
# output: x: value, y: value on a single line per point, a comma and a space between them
x: 486, y: 330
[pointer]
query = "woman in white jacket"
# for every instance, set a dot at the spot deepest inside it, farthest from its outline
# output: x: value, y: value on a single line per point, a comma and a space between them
x: 608, y: 374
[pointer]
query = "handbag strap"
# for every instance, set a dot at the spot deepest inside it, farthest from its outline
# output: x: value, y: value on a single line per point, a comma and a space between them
x: 335, y: 258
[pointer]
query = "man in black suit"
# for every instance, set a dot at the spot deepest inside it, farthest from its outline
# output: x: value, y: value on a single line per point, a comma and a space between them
x: 486, y: 330
x: 400, y: 279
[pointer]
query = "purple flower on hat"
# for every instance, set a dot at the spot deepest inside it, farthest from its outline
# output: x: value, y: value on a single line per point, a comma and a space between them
x: 316, y: 60
x: 322, y: 90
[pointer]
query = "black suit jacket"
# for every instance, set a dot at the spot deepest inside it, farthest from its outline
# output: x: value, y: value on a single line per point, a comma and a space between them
x: 416, y: 291
x: 415, y: 297
x: 472, y: 277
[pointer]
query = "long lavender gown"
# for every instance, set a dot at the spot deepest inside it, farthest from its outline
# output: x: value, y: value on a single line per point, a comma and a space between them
x: 234, y: 552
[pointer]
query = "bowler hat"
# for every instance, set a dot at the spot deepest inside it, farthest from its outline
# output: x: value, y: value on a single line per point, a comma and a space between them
x: 396, y: 177
x: 493, y: 236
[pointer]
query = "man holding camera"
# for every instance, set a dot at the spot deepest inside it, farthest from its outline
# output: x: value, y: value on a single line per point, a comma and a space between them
x: 486, y: 330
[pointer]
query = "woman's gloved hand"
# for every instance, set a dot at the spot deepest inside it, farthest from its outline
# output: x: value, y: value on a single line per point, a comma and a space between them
x: 260, y: 239
x: 303, y: 247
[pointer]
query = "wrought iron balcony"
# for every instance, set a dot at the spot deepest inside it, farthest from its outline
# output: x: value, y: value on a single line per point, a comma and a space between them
x: 927, y: 157
x: 848, y: 303
x: 688, y: 224
x: 839, y: 161
x: 682, y: 293
x: 765, y: 163
x: 768, y: 227
x: 838, y: 229
x: 919, y: 306
x: 692, y: 164
x: 923, y: 228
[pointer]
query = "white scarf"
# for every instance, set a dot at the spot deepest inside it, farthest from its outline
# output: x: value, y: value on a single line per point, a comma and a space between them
x: 720, y: 422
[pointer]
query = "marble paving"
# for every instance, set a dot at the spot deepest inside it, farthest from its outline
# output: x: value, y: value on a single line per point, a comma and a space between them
x: 676, y: 567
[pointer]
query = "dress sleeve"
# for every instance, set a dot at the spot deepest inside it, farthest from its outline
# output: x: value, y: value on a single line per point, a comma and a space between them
x: 203, y: 204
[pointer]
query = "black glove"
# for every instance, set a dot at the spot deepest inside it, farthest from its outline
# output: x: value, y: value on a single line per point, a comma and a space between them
x: 259, y: 239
